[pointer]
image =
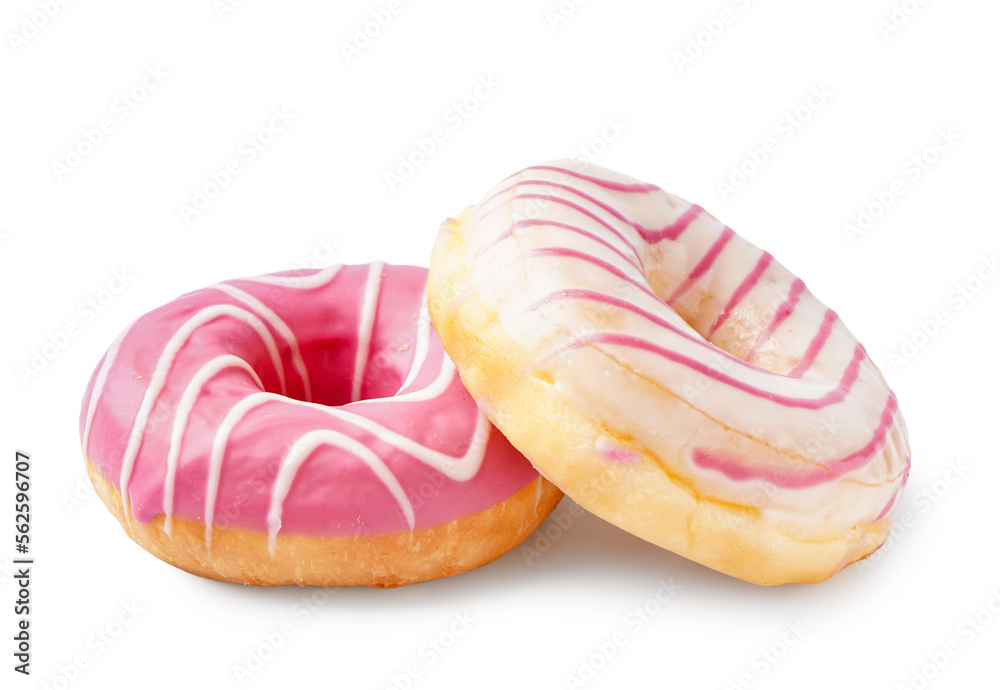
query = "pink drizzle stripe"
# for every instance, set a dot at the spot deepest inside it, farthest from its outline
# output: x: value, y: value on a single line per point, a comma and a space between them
x: 784, y: 311
x: 741, y: 471
x: 651, y: 236
x: 832, y: 397
x: 672, y: 231
x: 583, y: 195
x: 641, y: 187
x: 576, y: 207
x: 634, y: 260
x: 749, y: 283
x: 669, y: 232
x: 815, y: 346
x: 574, y: 254
x: 706, y: 263
x: 623, y: 304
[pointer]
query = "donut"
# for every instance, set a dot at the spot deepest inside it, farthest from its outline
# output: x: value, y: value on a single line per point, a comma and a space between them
x: 668, y: 375
x: 303, y: 427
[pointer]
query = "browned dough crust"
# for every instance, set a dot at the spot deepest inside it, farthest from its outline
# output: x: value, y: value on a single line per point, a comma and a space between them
x: 384, y: 561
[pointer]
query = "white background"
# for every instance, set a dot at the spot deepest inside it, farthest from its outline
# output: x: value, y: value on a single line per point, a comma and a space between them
x: 603, y: 80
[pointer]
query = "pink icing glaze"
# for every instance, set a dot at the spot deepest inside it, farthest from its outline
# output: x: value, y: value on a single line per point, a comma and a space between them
x: 315, y: 403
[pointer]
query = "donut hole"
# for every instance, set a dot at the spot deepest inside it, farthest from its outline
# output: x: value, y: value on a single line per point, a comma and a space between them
x: 338, y: 342
x: 319, y: 372
x: 329, y: 366
x: 697, y: 307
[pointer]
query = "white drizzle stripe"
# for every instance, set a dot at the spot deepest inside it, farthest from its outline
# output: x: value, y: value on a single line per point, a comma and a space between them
x: 301, y: 450
x: 277, y: 324
x: 102, y: 377
x: 365, y: 327
x: 459, y: 469
x: 219, y: 443
x: 423, y: 342
x: 435, y: 388
x: 316, y: 280
x: 159, y: 378
x: 184, y: 408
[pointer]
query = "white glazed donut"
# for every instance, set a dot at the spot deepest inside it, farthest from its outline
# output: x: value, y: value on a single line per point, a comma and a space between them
x: 668, y: 375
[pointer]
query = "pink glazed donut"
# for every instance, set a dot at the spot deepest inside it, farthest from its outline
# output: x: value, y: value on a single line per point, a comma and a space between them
x: 304, y: 427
